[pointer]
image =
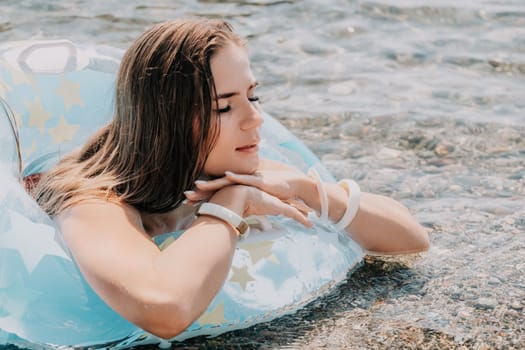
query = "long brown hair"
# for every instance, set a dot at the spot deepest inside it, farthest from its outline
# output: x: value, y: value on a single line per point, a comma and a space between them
x: 163, y: 129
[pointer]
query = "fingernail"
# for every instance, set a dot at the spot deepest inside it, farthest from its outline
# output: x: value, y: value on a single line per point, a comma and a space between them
x: 199, y: 182
x: 228, y: 173
x: 189, y: 193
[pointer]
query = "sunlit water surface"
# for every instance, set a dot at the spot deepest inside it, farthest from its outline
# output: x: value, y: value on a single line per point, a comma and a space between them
x: 422, y: 100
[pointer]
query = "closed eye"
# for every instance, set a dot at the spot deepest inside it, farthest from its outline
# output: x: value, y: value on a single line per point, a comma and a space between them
x: 224, y: 110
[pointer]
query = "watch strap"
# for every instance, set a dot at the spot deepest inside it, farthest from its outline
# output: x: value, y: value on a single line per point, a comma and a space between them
x: 226, y: 215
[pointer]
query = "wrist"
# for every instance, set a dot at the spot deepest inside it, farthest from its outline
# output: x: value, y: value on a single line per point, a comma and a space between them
x: 322, y: 194
x: 306, y: 190
x: 338, y: 203
x: 233, y: 198
x: 227, y: 216
x: 337, y: 199
x: 353, y: 193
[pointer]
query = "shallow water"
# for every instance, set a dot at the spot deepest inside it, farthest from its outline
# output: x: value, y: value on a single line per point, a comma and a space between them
x: 423, y: 100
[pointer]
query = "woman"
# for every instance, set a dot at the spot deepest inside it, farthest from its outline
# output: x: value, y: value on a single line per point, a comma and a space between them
x: 186, y: 109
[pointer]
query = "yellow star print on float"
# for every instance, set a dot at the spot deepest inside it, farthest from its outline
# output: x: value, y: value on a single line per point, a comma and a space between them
x: 63, y: 131
x: 214, y: 316
x: 241, y: 276
x: 70, y: 92
x: 38, y: 115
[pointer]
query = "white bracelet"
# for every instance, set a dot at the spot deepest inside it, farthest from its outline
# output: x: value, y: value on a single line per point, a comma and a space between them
x: 323, y: 196
x: 352, y: 206
x: 226, y: 215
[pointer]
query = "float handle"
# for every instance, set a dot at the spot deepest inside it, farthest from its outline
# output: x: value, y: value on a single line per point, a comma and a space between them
x: 47, y: 64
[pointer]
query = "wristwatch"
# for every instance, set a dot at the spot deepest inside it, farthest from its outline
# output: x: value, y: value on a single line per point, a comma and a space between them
x: 226, y: 215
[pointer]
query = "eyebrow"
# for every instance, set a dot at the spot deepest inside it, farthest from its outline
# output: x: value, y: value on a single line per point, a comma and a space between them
x: 230, y: 94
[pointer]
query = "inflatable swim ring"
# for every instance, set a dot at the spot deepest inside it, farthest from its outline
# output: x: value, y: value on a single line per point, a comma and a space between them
x: 59, y: 93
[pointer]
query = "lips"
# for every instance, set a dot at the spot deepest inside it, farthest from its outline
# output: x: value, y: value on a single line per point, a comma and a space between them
x: 251, y: 147
x: 254, y: 147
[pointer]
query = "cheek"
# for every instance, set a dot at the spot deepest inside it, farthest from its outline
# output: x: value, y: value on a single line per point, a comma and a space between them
x: 216, y: 158
x: 226, y: 136
x: 222, y: 153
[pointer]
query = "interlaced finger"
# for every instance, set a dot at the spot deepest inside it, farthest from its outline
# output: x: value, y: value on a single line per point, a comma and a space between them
x: 300, y: 205
x: 213, y: 185
x: 198, y: 195
x: 274, y: 206
x: 254, y: 180
x: 294, y: 213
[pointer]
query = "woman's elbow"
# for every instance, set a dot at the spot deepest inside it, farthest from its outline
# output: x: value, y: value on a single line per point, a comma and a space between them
x: 164, y: 325
x: 164, y: 318
x: 168, y: 330
x: 413, y: 240
x: 421, y: 240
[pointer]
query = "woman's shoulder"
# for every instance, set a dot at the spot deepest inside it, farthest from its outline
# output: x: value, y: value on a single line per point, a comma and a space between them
x: 98, y: 213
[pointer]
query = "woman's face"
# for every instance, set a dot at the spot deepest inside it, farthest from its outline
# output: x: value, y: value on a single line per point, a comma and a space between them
x: 236, y: 148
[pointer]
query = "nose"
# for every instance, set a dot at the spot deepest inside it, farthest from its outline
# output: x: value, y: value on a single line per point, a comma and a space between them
x: 253, y: 117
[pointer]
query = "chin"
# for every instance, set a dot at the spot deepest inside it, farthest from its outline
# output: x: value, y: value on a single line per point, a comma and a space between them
x: 247, y: 167
x: 238, y: 166
x: 249, y: 171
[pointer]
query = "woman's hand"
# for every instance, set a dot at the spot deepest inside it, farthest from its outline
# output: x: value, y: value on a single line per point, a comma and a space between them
x: 381, y: 223
x: 277, y: 183
x: 250, y: 200
x: 276, y: 178
x: 283, y: 184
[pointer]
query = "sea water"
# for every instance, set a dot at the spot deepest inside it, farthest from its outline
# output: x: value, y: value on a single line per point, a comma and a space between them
x: 421, y: 100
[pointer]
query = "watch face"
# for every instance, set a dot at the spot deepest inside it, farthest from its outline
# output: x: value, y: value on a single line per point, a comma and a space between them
x: 244, y: 229
x: 226, y: 215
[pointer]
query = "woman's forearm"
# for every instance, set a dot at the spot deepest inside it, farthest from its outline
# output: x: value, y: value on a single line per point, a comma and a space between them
x: 381, y: 224
x: 200, y: 260
x: 384, y: 225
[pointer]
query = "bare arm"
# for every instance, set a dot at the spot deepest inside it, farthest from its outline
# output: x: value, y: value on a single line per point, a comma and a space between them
x: 381, y: 225
x: 162, y: 292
